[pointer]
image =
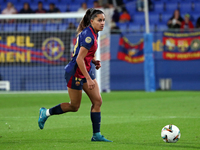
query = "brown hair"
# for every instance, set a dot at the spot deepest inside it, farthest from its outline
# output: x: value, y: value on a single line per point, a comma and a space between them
x: 90, y: 14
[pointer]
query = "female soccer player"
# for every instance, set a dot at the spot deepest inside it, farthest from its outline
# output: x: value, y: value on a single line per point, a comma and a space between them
x: 79, y: 75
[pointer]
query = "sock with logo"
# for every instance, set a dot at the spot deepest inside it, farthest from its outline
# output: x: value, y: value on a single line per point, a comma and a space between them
x: 56, y: 110
x: 96, y: 121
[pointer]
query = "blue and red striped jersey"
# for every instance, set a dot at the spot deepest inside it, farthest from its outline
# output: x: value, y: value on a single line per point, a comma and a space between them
x: 88, y: 39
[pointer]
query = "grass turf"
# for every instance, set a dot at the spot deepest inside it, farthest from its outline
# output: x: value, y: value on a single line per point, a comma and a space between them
x: 133, y: 120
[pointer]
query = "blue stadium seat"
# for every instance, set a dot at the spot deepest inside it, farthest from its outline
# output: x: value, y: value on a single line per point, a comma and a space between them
x: 138, y: 18
x: 62, y: 8
x: 79, y: 2
x: 161, y: 27
x: 1, y: 27
x: 185, y: 7
x: 23, y: 27
x: 134, y: 27
x: 74, y: 7
x: 171, y: 6
x: 51, y: 27
x: 151, y: 28
x: 62, y: 27
x: 64, y: 2
x: 122, y: 26
x: 18, y: 7
x: 197, y: 7
x: 73, y: 20
x: 9, y: 27
x: 131, y: 8
x: 154, y: 18
x: 14, y: 2
x: 158, y: 6
x: 46, y: 6
x: 194, y: 17
x: 3, y: 6
x: 37, y: 27
x: 52, y: 1
x: 90, y: 5
x: 166, y: 17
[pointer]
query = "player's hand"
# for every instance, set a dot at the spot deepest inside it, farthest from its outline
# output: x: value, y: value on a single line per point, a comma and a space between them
x: 91, y: 84
x: 97, y: 64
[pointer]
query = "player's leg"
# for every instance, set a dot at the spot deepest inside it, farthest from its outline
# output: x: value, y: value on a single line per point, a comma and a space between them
x: 95, y: 114
x: 72, y: 106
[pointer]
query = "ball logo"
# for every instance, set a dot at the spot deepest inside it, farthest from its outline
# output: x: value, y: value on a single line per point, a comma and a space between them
x: 53, y: 48
x: 88, y: 39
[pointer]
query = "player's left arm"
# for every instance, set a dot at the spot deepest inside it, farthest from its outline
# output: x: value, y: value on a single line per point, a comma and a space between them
x: 97, y: 63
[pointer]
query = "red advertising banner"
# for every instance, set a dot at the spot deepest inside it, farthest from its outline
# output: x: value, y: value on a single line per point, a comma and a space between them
x: 181, y: 46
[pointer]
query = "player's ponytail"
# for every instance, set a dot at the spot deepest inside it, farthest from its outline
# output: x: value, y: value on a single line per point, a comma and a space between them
x: 90, y: 14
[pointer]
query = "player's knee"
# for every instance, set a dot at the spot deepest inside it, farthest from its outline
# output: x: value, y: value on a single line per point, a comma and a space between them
x: 98, y: 103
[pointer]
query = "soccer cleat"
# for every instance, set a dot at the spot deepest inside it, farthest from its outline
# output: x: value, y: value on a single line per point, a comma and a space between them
x: 42, y: 117
x: 97, y: 137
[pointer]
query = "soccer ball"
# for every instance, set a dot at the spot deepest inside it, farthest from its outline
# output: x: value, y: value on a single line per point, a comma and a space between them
x: 170, y: 133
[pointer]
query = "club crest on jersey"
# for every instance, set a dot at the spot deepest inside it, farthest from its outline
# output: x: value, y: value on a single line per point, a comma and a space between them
x: 88, y: 39
x: 78, y: 81
x: 53, y: 48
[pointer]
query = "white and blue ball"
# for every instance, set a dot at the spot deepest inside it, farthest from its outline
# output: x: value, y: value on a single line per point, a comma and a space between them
x: 170, y: 133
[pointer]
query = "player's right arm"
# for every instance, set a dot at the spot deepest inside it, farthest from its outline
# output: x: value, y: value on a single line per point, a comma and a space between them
x: 81, y: 64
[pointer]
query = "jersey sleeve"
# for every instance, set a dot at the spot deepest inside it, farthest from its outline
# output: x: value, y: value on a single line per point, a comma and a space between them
x: 87, y: 40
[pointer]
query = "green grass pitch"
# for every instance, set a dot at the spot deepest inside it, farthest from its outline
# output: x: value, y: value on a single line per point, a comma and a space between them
x: 133, y: 120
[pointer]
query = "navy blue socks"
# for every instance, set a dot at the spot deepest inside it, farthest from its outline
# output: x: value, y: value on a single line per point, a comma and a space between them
x: 96, y: 121
x: 56, y: 110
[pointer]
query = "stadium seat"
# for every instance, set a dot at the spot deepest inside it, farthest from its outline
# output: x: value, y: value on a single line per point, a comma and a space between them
x: 18, y: 7
x: 9, y: 27
x: 14, y: 2
x: 197, y: 7
x: 151, y: 28
x: 37, y: 27
x: 25, y: 27
x: 80, y: 2
x: 74, y: 7
x: 73, y: 20
x: 51, y: 27
x: 61, y: 7
x: 161, y: 27
x: 62, y: 27
x: 165, y: 17
x: 154, y: 18
x: 171, y: 6
x: 195, y: 17
x: 3, y: 6
x: 134, y: 27
x: 138, y: 18
x: 1, y: 27
x: 131, y: 7
x: 90, y: 5
x: 185, y: 7
x: 158, y: 6
x: 122, y: 26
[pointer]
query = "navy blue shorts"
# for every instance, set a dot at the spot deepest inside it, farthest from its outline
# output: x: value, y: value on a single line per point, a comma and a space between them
x: 77, y: 83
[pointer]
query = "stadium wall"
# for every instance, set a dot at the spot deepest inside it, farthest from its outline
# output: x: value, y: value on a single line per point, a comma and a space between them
x: 185, y: 75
